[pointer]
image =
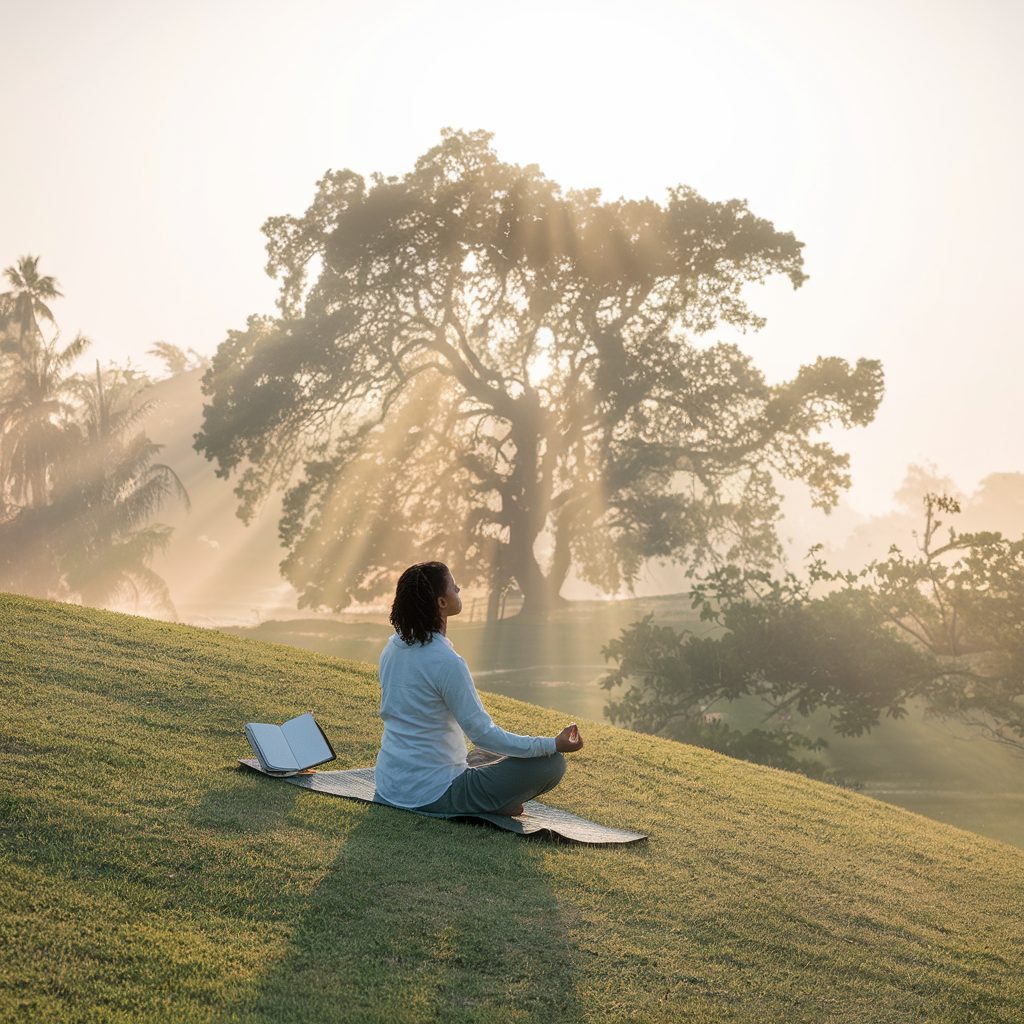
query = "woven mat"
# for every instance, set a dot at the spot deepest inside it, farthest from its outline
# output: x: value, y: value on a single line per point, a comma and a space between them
x: 358, y: 784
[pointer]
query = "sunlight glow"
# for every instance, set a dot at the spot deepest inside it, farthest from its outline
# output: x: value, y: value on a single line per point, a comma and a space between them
x: 869, y: 133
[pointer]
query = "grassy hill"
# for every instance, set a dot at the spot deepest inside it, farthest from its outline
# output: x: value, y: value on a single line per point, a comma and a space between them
x: 923, y: 764
x: 144, y: 877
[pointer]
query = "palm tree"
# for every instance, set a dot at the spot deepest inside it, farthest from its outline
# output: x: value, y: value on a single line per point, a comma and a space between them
x: 109, y: 500
x: 78, y: 484
x: 177, y: 360
x: 33, y: 415
x: 25, y: 303
x: 33, y: 381
x: 35, y: 429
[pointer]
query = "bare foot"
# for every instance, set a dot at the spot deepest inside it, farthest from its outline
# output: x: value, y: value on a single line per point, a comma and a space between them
x: 514, y: 812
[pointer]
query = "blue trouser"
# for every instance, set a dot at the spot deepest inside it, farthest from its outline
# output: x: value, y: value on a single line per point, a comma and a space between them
x: 498, y: 785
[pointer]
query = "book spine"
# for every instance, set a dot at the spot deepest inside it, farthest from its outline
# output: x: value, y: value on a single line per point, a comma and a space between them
x: 327, y: 741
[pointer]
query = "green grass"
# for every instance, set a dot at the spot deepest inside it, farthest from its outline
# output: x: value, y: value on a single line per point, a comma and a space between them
x: 144, y: 877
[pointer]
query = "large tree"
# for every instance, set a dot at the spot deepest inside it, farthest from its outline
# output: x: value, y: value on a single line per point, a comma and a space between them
x: 492, y: 371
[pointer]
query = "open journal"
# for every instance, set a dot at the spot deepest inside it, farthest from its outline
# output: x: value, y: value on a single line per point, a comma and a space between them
x: 290, y: 748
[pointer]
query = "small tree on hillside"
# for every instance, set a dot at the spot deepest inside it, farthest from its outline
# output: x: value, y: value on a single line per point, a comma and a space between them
x: 491, y: 371
x: 945, y: 624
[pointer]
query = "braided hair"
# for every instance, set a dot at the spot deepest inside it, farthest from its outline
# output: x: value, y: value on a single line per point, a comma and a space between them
x: 414, y: 613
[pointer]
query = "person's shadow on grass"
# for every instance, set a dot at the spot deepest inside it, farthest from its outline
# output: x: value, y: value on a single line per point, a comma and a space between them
x: 416, y: 919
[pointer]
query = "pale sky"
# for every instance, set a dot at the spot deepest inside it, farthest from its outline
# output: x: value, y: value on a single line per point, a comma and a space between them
x: 146, y: 143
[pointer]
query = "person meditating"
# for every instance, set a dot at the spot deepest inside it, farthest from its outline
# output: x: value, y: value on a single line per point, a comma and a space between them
x: 428, y: 701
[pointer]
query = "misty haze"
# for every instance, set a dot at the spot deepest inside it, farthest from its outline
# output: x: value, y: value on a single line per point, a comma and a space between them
x: 700, y: 377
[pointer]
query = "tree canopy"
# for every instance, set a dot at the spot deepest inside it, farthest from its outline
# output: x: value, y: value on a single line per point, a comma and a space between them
x: 471, y: 364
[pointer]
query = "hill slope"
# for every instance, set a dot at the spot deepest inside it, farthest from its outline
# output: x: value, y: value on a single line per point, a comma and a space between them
x: 143, y: 877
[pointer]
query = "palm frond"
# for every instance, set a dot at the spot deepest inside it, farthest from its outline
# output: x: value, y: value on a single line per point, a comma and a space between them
x: 41, y: 309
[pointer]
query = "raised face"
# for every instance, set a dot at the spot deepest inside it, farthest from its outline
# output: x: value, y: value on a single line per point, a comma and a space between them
x: 450, y: 603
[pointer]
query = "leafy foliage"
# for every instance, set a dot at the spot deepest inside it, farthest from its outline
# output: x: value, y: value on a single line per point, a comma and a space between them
x: 944, y: 625
x: 485, y: 366
x: 677, y: 678
x: 178, y: 360
x: 962, y: 602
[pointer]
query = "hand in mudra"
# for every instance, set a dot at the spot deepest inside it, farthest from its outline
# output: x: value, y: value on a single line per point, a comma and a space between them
x: 569, y: 740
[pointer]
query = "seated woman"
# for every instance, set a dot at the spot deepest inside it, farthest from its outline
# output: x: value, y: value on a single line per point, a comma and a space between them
x: 428, y: 701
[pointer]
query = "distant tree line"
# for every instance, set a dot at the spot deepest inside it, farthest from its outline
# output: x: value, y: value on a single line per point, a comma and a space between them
x: 79, y: 484
x: 943, y: 625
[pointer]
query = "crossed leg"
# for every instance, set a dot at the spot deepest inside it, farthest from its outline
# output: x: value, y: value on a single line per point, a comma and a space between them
x: 498, y: 785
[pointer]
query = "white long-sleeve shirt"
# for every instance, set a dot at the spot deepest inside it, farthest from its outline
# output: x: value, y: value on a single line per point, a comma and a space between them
x: 427, y: 701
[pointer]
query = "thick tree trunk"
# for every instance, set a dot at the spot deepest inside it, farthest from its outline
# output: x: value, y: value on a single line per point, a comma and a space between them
x: 527, y: 511
x: 540, y: 592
